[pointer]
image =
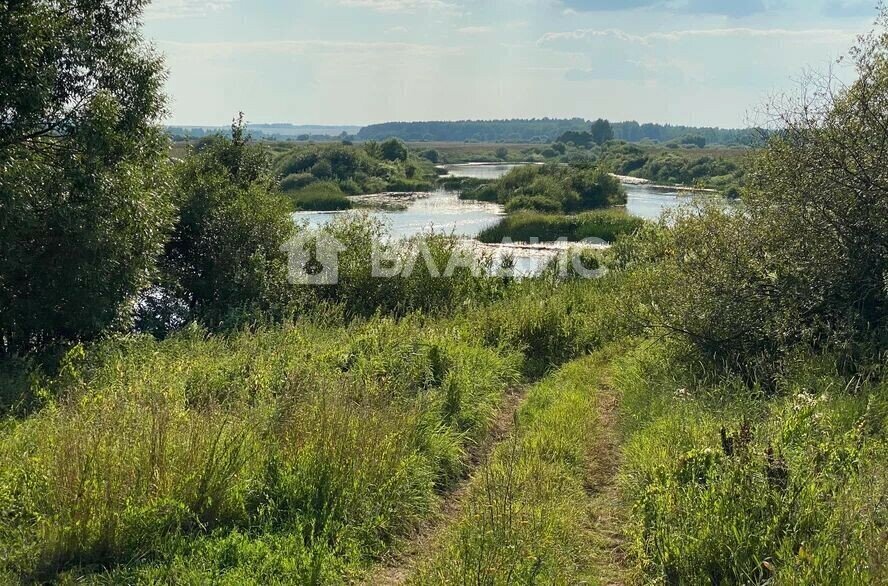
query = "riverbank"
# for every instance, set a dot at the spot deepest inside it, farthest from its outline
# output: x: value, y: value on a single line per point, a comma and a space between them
x: 628, y: 180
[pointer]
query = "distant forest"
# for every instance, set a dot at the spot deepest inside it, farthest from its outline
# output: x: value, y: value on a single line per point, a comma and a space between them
x: 543, y: 130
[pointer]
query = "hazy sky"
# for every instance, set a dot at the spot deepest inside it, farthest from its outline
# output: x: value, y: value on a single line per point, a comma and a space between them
x: 362, y: 61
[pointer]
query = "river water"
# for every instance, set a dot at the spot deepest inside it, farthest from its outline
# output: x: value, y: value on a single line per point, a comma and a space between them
x: 443, y: 212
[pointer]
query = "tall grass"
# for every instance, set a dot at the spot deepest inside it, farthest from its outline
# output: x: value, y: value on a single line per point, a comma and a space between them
x: 296, y: 453
x: 728, y: 487
x: 319, y: 196
x: 336, y: 436
x: 526, y: 515
x: 522, y: 227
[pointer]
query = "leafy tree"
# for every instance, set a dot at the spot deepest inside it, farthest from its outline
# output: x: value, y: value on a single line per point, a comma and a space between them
x: 323, y: 169
x: 226, y: 252
x: 84, y: 190
x: 431, y: 155
x: 807, y: 261
x: 393, y: 150
x: 502, y: 153
x: 601, y: 131
x: 693, y: 140
x: 580, y: 139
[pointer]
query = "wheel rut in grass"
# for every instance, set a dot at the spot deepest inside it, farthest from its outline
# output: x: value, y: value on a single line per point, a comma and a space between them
x: 607, y: 513
x: 397, y: 568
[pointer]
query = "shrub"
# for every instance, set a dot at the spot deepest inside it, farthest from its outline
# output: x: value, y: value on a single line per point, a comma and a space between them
x: 84, y: 177
x: 320, y: 196
x: 557, y: 188
x: 225, y: 254
x: 419, y: 287
x: 295, y: 181
x: 393, y: 150
x: 521, y: 227
x: 322, y: 170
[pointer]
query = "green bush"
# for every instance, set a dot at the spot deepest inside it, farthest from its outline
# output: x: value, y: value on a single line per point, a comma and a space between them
x: 320, y: 196
x: 521, y: 227
x: 225, y: 255
x: 805, y: 261
x: 553, y: 189
x: 393, y: 150
x: 356, y: 169
x: 726, y: 488
x: 296, y: 181
x: 419, y: 287
x: 85, y: 203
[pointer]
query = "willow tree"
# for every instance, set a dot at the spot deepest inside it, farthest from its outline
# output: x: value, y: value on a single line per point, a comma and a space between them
x: 84, y: 195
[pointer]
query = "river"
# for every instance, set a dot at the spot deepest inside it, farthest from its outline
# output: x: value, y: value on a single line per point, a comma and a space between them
x: 443, y: 212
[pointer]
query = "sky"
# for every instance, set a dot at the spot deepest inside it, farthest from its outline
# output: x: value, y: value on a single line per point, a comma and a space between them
x: 694, y: 62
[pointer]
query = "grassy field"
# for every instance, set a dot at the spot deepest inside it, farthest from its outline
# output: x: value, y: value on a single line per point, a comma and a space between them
x: 727, y: 486
x: 526, y: 516
x: 310, y: 452
x: 285, y: 453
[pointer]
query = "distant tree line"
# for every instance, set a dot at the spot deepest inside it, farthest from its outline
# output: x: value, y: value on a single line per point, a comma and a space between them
x: 548, y: 130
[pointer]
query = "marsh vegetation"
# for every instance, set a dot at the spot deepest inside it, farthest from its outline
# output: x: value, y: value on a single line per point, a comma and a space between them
x: 713, y: 408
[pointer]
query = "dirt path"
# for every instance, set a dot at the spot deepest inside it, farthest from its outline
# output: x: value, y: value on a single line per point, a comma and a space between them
x: 396, y: 569
x: 606, y: 511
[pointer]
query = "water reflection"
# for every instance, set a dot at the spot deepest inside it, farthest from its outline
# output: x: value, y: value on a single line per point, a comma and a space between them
x: 443, y: 212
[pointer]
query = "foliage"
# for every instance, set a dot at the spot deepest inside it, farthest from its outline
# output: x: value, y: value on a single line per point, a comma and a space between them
x: 805, y: 262
x: 393, y: 150
x: 524, y: 520
x: 296, y: 181
x: 577, y: 138
x: 543, y: 130
x: 666, y: 167
x: 320, y: 196
x: 369, y: 168
x: 553, y: 189
x: 84, y: 188
x: 728, y: 488
x: 601, y: 131
x: 522, y: 227
x: 225, y: 254
x: 438, y: 275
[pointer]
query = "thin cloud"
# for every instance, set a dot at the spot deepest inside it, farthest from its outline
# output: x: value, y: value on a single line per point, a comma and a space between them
x: 821, y: 35
x: 174, y: 9
x: 849, y: 8
x: 398, y: 5
x: 474, y: 30
x: 311, y: 47
x: 730, y: 8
